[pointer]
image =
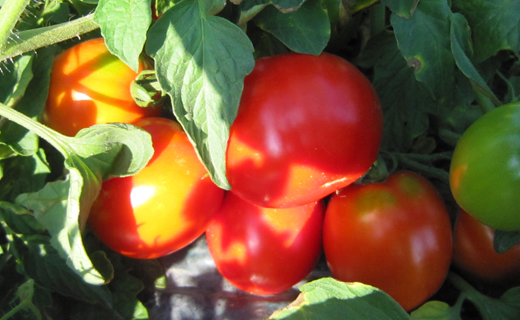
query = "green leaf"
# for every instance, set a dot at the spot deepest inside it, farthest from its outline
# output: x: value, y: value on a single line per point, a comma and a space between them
x: 43, y: 263
x: 282, y: 5
x: 495, y: 25
x: 330, y: 299
x: 505, y: 308
x: 124, y: 25
x: 403, y: 8
x: 23, y: 174
x: 437, y: 310
x: 462, y: 50
x: 405, y: 101
x: 306, y: 30
x: 14, y: 139
x: 201, y: 63
x: 19, y: 219
x: 63, y: 206
x: 424, y: 42
x: 505, y: 240
x: 15, y: 79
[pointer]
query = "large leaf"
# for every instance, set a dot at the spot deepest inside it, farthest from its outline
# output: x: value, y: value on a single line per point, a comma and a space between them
x: 330, y: 299
x: 424, y: 42
x: 283, y: 5
x: 306, y: 30
x: 42, y: 263
x: 405, y: 101
x: 124, y: 25
x: 201, y: 62
x: 495, y: 25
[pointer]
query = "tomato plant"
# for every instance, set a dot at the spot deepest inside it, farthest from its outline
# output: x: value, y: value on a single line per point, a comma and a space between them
x: 306, y: 126
x: 88, y: 86
x: 264, y: 250
x: 474, y: 255
x: 484, y: 169
x: 394, y: 235
x: 165, y: 206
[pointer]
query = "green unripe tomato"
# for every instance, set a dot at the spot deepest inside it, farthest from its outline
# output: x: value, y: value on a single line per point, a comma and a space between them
x: 485, y: 168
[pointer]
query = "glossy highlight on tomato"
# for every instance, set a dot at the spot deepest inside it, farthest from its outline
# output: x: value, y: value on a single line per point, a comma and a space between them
x: 165, y: 206
x: 306, y: 126
x: 474, y: 255
x: 262, y: 250
x: 90, y: 86
x: 485, y: 168
x: 395, y: 235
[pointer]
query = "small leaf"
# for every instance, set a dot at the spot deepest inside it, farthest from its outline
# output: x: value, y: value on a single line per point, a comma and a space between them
x: 306, y: 30
x: 495, y: 25
x: 437, y: 310
x: 201, y: 63
x: 462, y: 50
x: 505, y: 240
x: 19, y: 219
x: 124, y: 25
x: 282, y: 5
x: 424, y: 42
x: 404, y: 9
x: 330, y: 299
x: 23, y: 174
x: 14, y: 139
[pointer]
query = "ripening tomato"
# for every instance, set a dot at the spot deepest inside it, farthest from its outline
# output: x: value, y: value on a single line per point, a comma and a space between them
x: 165, y: 206
x: 306, y: 126
x: 395, y: 235
x: 90, y: 86
x: 474, y: 255
x: 485, y: 168
x: 262, y: 250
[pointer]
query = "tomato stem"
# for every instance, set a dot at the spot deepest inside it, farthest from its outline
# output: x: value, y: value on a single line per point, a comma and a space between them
x: 10, y: 13
x: 54, y: 138
x: 30, y: 40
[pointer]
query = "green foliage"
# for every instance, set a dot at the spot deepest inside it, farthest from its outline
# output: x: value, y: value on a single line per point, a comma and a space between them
x: 331, y: 299
x: 437, y: 66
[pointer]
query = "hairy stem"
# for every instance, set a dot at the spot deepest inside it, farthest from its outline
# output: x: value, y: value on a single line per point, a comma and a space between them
x: 10, y: 12
x: 30, y: 40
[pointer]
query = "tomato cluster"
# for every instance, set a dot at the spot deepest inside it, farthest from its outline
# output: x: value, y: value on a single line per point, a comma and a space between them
x: 307, y: 128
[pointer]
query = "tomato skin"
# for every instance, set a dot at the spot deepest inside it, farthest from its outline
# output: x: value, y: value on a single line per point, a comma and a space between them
x: 306, y: 126
x: 395, y: 235
x: 484, y: 172
x: 265, y: 251
x: 90, y: 86
x: 474, y: 255
x: 165, y: 206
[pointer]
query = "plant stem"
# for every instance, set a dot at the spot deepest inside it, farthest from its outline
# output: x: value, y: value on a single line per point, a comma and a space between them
x: 30, y: 40
x: 54, y: 138
x: 10, y: 12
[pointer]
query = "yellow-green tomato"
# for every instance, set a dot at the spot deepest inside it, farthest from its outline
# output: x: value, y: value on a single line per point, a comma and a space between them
x: 485, y: 168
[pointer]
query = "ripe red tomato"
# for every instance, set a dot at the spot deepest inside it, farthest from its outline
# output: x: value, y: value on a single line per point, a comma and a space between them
x: 473, y: 254
x: 162, y: 208
x: 306, y: 126
x: 265, y: 251
x: 395, y: 235
x: 90, y: 86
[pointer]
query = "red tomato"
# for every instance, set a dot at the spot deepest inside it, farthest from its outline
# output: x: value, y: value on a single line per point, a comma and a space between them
x: 473, y: 254
x: 90, y: 86
x: 265, y: 251
x: 395, y: 235
x: 306, y: 126
x: 165, y: 206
